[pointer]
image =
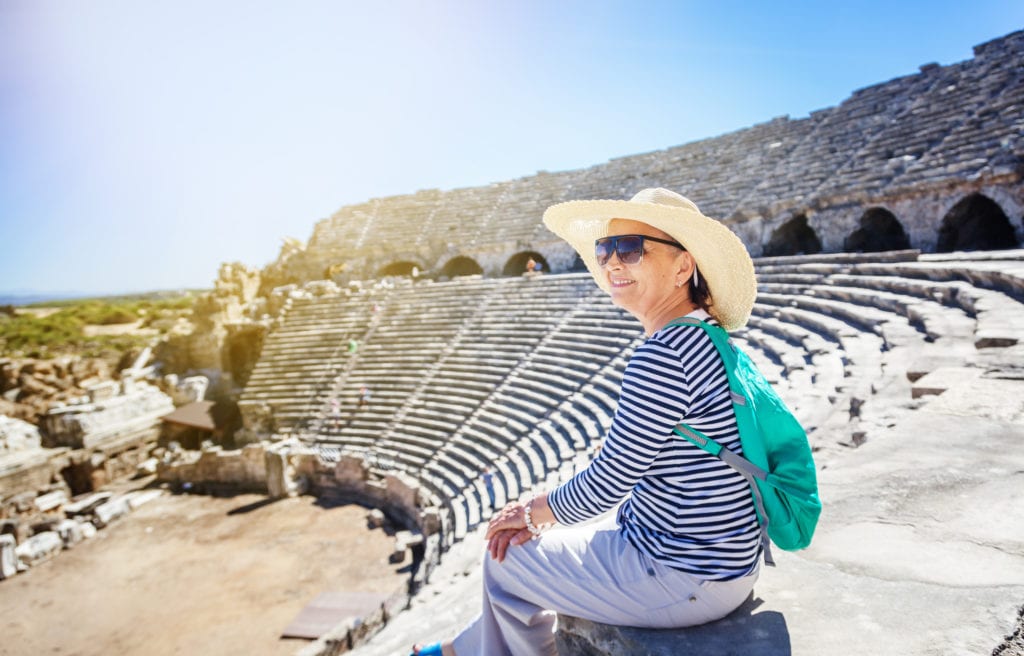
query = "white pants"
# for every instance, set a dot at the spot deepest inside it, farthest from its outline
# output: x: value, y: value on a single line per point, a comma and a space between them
x: 588, y: 572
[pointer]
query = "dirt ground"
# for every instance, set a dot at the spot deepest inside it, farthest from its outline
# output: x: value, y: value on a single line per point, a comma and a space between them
x: 195, y: 575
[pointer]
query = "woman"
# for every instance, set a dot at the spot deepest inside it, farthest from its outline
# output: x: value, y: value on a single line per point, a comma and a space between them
x: 683, y: 547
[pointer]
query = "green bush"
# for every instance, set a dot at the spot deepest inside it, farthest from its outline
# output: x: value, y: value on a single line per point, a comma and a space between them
x: 29, y: 334
x: 62, y: 331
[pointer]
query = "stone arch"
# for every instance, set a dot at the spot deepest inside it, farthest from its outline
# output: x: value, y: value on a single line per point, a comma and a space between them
x: 400, y: 268
x: 879, y: 230
x: 976, y: 223
x: 516, y: 265
x: 460, y: 265
x: 794, y: 237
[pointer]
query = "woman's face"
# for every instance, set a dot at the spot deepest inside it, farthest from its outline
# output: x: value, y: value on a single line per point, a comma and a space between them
x: 647, y: 290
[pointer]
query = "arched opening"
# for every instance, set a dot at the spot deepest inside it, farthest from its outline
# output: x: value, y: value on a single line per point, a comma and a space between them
x: 403, y: 268
x: 461, y: 266
x: 976, y: 223
x: 879, y: 230
x: 794, y: 237
x: 520, y: 263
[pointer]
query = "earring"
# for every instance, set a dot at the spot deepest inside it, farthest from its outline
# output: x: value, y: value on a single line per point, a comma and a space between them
x: 679, y: 284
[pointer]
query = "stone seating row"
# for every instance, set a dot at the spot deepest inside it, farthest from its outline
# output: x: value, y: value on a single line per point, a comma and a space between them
x: 929, y: 317
x: 993, y: 303
x: 541, y: 450
x: 559, y: 395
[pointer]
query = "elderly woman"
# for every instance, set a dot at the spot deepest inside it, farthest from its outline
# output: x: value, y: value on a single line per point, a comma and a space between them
x: 683, y: 547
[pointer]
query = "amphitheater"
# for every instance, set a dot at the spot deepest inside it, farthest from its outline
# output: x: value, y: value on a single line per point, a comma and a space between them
x: 890, y: 307
x: 402, y: 352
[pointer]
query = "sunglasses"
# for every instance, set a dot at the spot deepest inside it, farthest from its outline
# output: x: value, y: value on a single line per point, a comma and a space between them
x: 629, y: 248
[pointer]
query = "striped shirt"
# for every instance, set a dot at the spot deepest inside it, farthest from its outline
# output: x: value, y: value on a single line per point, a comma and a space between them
x: 685, y: 508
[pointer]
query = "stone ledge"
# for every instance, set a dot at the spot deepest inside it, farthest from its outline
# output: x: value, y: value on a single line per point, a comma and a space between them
x: 744, y: 631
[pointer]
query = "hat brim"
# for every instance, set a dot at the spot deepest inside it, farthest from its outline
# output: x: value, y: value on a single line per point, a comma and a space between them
x: 722, y: 259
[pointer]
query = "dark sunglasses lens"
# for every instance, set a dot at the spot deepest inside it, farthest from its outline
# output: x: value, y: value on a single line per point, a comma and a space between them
x: 630, y: 249
x: 603, y: 250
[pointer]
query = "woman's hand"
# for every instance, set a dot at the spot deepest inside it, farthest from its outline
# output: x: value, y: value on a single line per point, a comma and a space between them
x: 508, y: 526
x: 499, y: 543
x: 503, y: 529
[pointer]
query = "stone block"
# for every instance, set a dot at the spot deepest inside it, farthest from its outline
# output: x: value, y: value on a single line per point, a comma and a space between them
x: 430, y: 520
x: 87, y: 504
x: 924, y: 365
x: 50, y: 501
x: 406, y: 539
x: 941, y: 379
x: 39, y: 548
x: 8, y: 557
x: 141, y: 497
x: 403, y: 541
x: 147, y: 467
x: 277, y: 474
x: 375, y: 518
x: 744, y: 631
x: 350, y: 470
x: 70, y: 532
x: 110, y: 511
x: 88, y: 530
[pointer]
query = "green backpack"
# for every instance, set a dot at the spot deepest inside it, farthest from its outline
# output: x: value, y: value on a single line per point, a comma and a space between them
x: 776, y: 458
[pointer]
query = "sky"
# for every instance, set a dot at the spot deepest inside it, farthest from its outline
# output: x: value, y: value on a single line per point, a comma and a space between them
x: 144, y: 143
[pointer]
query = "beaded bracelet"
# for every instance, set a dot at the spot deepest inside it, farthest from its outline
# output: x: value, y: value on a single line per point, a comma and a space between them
x: 527, y: 516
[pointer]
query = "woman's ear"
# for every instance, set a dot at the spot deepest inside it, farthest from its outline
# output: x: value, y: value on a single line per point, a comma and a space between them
x: 686, y: 266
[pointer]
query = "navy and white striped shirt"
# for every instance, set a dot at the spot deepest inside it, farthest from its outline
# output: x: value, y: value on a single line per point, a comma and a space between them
x: 686, y: 508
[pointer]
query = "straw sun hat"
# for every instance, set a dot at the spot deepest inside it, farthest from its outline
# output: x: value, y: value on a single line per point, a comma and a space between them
x: 721, y: 257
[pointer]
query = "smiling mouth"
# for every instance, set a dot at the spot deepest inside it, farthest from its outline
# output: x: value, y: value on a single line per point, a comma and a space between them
x: 622, y: 282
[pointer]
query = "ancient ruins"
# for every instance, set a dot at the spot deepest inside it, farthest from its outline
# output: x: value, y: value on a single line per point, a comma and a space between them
x: 402, y: 352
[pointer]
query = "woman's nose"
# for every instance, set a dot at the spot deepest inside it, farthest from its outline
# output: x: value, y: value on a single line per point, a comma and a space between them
x: 613, y: 261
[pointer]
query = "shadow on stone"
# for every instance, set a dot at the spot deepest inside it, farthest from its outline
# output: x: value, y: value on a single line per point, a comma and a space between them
x: 744, y: 631
x: 249, y: 507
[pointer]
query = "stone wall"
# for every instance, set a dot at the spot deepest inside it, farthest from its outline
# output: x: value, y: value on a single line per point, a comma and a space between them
x: 215, y: 467
x: 915, y: 145
x: 112, y: 412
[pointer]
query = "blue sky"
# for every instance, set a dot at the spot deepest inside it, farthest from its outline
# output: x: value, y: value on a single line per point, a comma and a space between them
x: 143, y: 143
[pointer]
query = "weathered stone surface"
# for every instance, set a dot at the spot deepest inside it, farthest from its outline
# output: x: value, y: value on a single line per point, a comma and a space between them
x: 8, y: 557
x: 743, y: 632
x: 403, y: 541
x: 941, y: 379
x: 279, y: 475
x: 17, y: 435
x: 70, y: 532
x: 87, y: 504
x: 188, y: 389
x: 141, y: 497
x: 112, y: 510
x: 430, y: 521
x: 147, y: 467
x: 375, y: 518
x: 38, y: 548
x: 107, y: 417
x: 50, y: 501
x: 88, y: 530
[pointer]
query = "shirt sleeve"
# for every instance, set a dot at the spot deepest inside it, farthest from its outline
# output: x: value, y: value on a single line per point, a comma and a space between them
x: 653, y: 399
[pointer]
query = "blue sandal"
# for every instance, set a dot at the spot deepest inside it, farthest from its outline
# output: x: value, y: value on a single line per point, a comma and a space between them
x: 433, y: 649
